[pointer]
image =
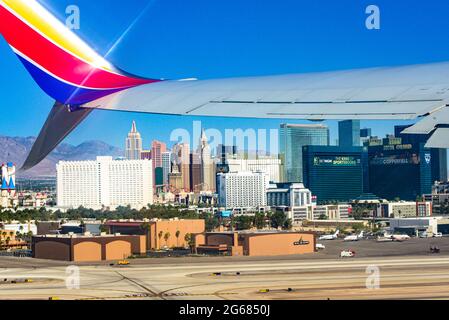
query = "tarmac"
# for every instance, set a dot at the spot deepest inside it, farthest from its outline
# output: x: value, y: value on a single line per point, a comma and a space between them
x: 387, y: 270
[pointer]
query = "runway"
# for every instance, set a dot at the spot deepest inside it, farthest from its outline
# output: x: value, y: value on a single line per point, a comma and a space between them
x: 405, y: 277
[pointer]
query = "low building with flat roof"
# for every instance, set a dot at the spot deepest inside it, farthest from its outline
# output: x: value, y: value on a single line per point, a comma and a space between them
x: 260, y: 243
x: 159, y: 233
x: 87, y: 248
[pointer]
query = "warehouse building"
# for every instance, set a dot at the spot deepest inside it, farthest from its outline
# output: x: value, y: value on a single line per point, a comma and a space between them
x: 87, y: 248
x: 159, y: 233
x: 271, y: 243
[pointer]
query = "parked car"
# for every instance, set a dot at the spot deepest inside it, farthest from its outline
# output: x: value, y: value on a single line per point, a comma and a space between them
x: 423, y: 235
x: 320, y: 246
x: 347, y: 254
x: 438, y: 235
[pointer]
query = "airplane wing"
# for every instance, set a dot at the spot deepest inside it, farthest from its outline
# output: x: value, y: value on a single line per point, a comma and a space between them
x: 377, y: 93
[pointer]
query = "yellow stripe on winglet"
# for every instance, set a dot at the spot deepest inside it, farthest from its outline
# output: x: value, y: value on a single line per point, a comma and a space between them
x: 54, y: 30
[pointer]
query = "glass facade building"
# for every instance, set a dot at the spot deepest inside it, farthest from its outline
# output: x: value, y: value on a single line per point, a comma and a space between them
x: 349, y: 133
x: 439, y: 156
x: 335, y: 173
x: 399, y: 169
x: 292, y: 138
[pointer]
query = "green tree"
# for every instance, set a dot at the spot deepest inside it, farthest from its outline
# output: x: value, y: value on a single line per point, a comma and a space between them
x: 243, y: 222
x: 259, y: 220
x: 278, y: 219
x: 288, y: 224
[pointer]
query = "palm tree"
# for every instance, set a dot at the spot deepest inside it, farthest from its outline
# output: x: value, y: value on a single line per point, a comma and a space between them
x: 160, y: 235
x: 177, y: 234
x: 166, y: 237
x: 188, y: 238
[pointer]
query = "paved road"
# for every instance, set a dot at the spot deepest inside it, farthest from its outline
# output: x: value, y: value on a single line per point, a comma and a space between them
x: 407, y: 271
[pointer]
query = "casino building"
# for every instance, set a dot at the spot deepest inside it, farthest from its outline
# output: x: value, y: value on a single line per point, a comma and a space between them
x: 399, y: 170
x: 335, y: 173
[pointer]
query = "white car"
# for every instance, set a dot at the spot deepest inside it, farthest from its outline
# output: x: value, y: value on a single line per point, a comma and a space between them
x: 438, y: 235
x: 424, y: 235
x: 347, y: 254
x: 320, y: 246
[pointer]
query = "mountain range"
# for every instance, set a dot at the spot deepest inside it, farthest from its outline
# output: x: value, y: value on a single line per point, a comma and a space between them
x: 15, y: 149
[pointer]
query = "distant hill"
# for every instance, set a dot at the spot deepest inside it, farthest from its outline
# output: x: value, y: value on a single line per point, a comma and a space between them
x: 15, y: 149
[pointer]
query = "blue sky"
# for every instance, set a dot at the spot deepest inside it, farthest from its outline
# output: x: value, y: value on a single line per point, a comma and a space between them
x: 211, y: 39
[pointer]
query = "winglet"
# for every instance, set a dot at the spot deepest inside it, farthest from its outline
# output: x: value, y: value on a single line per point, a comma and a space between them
x: 62, y: 64
x: 60, y: 122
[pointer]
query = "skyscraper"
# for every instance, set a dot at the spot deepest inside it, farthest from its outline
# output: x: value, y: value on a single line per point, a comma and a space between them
x: 238, y: 190
x: 196, y: 172
x: 438, y: 156
x: 398, y: 169
x: 166, y: 166
x: 104, y: 182
x: 292, y: 138
x: 157, y: 149
x: 349, y: 133
x: 207, y: 164
x: 224, y: 152
x: 181, y: 158
x: 133, y: 148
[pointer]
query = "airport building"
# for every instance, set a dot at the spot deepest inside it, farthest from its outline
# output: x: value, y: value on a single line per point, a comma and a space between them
x: 242, y: 189
x: 335, y: 173
x: 104, y: 183
x: 159, y: 233
x: 413, y: 226
x: 292, y: 138
x: 269, y: 243
x: 87, y: 248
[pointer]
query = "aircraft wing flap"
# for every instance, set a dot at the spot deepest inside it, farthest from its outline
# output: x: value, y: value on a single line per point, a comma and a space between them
x: 317, y: 111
